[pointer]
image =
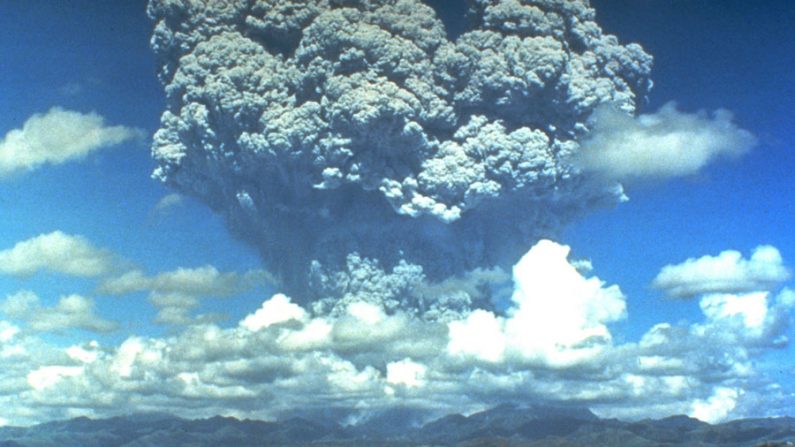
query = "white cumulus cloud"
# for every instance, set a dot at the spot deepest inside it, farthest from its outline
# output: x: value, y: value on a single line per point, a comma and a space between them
x: 406, y: 372
x: 667, y: 143
x: 727, y: 272
x: 48, y: 376
x: 751, y: 309
x: 717, y: 407
x: 70, y: 312
x: 56, y: 137
x: 276, y: 310
x: 558, y: 317
x: 55, y: 252
x: 481, y: 334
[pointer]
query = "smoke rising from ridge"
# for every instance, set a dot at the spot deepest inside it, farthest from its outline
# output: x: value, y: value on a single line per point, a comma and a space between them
x: 337, y: 128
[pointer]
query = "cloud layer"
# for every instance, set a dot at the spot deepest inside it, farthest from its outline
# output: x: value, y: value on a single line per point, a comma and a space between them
x: 56, y: 137
x: 553, y: 342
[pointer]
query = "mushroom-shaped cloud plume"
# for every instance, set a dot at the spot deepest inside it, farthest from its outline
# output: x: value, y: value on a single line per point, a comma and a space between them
x: 335, y: 127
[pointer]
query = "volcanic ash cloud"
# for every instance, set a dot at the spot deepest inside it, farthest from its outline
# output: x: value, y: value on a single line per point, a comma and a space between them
x: 335, y: 133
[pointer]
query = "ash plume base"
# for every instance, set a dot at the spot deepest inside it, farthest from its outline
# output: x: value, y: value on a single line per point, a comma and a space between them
x: 307, y: 248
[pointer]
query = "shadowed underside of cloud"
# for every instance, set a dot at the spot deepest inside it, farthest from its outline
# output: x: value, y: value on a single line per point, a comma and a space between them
x: 56, y: 137
x: 553, y: 343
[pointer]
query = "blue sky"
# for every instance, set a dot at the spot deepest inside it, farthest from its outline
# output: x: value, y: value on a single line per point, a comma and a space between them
x: 109, y: 198
x: 708, y: 55
x: 87, y: 56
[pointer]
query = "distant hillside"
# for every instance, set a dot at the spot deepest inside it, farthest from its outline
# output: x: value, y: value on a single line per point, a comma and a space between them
x: 502, y: 426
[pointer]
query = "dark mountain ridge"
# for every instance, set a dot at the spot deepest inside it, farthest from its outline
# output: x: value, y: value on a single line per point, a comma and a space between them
x: 504, y: 425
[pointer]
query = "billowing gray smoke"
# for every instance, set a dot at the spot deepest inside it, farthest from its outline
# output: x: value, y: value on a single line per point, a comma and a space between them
x: 328, y: 128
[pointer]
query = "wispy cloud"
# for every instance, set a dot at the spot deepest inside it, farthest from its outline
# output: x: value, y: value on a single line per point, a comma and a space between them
x: 169, y: 201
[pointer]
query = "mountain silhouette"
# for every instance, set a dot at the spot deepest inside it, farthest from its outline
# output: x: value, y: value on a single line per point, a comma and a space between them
x: 506, y: 425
